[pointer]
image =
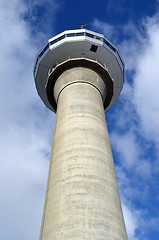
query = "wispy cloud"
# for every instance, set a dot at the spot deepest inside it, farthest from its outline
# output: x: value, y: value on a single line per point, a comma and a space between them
x: 106, y: 28
x: 115, y: 6
x: 131, y: 219
x: 126, y: 146
x: 40, y: 16
x: 146, y: 82
x: 135, y: 119
x: 25, y: 124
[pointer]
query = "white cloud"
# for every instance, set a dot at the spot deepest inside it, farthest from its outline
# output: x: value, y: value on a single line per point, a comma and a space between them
x: 107, y: 29
x: 140, y: 50
x: 26, y: 128
x: 128, y: 38
x: 146, y: 82
x: 136, y: 219
x: 127, y: 147
x: 135, y: 129
x: 131, y: 217
x: 24, y: 167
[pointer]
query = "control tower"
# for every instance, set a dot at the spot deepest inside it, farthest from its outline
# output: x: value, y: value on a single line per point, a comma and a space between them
x: 79, y: 75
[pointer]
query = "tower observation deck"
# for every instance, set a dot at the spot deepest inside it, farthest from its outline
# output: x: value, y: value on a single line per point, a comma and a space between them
x: 79, y: 74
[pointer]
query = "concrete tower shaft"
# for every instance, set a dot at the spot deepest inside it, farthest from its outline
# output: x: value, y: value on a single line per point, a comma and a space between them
x: 79, y: 74
x: 82, y: 199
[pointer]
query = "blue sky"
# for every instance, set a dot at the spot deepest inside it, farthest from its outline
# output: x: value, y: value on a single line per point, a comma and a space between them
x: 26, y: 126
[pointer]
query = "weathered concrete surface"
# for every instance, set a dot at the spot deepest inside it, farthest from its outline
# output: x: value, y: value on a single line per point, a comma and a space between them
x: 82, y: 198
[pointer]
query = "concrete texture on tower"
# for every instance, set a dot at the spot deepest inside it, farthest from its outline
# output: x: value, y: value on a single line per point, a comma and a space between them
x: 82, y: 200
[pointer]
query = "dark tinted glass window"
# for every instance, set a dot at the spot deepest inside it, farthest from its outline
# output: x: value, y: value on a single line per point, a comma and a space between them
x: 80, y: 34
x: 93, y: 48
x: 54, y: 41
x: 70, y: 34
x: 89, y: 35
x: 62, y: 37
x: 109, y: 45
x: 45, y: 48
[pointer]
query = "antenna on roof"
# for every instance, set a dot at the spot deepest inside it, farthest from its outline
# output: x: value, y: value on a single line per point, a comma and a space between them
x: 82, y: 25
